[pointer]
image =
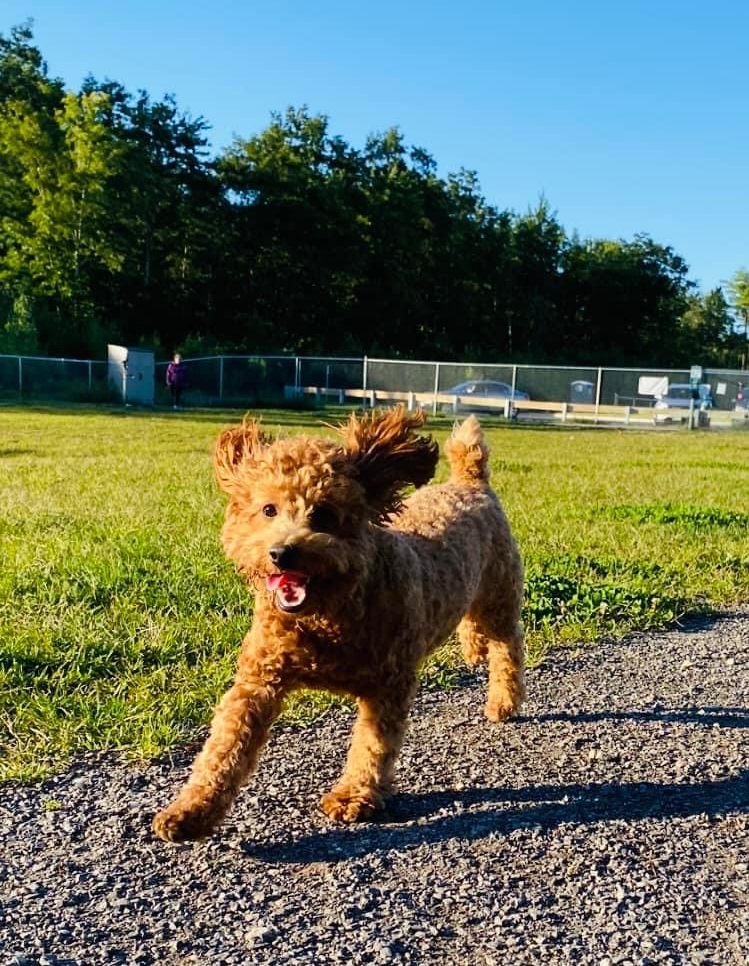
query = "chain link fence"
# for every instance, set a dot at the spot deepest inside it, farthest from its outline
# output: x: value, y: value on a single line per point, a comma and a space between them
x: 260, y: 380
x: 212, y: 380
x: 67, y: 380
x: 605, y: 386
x: 246, y: 381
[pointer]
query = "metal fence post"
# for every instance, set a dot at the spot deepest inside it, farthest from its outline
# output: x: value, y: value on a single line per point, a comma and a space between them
x: 364, y: 374
x: 20, y: 375
x: 598, y: 391
x: 436, y: 387
x: 221, y: 377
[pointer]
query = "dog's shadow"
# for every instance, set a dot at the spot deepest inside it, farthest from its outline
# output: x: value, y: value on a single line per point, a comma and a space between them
x: 478, y: 813
x: 705, y: 716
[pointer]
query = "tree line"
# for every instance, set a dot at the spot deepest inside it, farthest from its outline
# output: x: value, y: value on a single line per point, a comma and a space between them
x: 118, y: 224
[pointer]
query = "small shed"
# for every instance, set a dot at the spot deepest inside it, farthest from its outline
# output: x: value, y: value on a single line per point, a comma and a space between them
x: 131, y: 374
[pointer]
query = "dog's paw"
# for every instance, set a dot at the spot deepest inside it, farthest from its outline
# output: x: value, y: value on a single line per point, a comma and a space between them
x: 498, y: 710
x: 349, y: 806
x: 179, y: 823
x: 504, y: 699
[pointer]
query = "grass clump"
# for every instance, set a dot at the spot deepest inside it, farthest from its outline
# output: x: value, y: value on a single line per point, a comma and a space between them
x: 697, y: 519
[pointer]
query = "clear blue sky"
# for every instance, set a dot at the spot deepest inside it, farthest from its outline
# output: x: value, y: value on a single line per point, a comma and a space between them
x: 628, y: 116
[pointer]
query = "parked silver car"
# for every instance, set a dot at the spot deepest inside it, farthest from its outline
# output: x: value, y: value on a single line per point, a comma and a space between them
x: 680, y: 396
x: 476, y: 391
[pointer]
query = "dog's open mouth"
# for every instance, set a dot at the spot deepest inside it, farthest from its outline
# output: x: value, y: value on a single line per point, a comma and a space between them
x: 290, y: 588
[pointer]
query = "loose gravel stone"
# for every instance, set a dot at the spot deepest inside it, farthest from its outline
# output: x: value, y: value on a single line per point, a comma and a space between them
x: 608, y: 825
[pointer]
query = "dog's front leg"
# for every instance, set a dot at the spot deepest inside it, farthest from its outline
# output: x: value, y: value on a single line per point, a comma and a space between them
x: 238, y: 732
x: 375, y: 742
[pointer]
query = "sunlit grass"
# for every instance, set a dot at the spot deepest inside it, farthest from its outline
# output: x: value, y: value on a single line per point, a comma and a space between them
x: 120, y: 617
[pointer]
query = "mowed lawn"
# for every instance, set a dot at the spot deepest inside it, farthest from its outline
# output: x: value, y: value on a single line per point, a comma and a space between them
x: 120, y: 617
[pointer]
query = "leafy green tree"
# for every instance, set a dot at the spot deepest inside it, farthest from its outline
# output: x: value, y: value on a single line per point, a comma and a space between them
x: 403, y: 222
x: 738, y: 288
x: 706, y: 328
x: 26, y: 92
x: 66, y: 171
x: 538, y: 247
x: 171, y: 204
x: 17, y: 327
x: 23, y: 73
x: 623, y: 302
x: 296, y: 202
x: 472, y: 272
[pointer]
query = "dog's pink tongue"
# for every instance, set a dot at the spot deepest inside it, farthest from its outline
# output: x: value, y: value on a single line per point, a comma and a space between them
x: 289, y: 585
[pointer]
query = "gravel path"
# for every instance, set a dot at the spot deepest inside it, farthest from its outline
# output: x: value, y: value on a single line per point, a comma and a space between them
x: 609, y: 825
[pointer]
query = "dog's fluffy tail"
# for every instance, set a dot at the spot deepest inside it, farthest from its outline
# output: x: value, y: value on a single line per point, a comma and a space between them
x: 468, y: 454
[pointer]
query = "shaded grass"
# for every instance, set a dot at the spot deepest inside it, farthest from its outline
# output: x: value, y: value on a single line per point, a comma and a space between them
x: 120, y: 617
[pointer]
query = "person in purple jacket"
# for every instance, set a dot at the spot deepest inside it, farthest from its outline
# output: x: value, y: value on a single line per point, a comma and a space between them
x: 176, y: 377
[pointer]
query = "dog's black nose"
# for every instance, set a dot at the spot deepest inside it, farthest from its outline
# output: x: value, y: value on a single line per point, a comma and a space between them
x: 282, y: 556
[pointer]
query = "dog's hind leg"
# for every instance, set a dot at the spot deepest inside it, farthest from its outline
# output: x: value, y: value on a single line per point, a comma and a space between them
x: 498, y: 641
x: 375, y: 742
x: 506, y: 673
x: 472, y: 642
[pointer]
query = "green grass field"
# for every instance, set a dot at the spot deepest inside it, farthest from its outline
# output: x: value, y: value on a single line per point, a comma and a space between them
x: 120, y: 618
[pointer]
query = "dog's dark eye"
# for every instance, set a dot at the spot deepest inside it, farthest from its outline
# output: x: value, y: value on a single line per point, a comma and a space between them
x: 323, y: 518
x: 269, y: 510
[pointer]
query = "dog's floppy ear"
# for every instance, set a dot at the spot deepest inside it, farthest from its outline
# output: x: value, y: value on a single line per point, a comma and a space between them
x: 388, y: 455
x: 235, y: 445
